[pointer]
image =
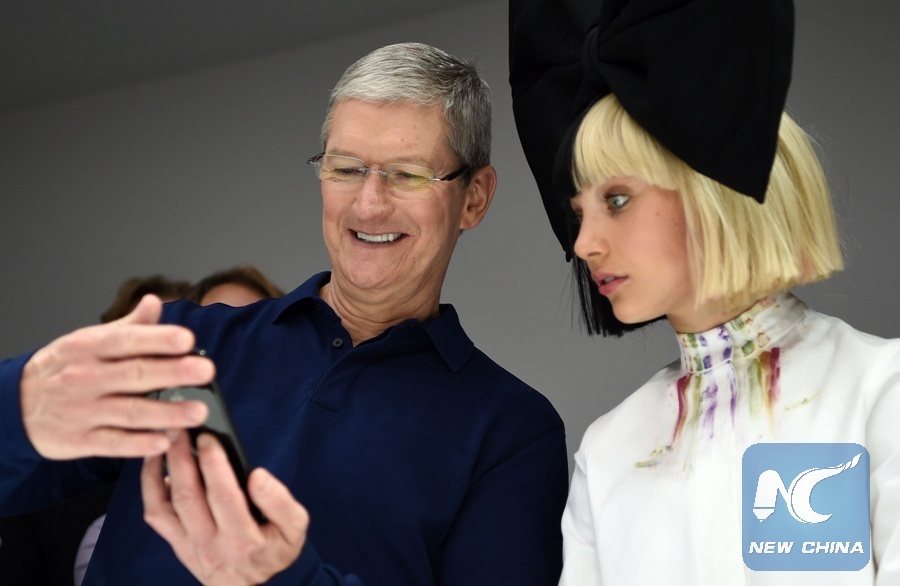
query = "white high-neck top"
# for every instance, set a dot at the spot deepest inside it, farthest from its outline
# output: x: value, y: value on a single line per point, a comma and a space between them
x: 656, y: 493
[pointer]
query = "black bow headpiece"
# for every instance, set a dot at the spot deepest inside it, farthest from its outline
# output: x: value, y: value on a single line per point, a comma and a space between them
x: 707, y: 78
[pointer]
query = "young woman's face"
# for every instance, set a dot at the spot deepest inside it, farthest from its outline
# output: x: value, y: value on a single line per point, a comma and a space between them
x: 634, y: 240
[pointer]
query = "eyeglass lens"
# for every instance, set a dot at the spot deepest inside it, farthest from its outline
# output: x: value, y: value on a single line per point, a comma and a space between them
x: 352, y: 171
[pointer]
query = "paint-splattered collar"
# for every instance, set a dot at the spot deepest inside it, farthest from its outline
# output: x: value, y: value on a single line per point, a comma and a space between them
x: 744, y: 336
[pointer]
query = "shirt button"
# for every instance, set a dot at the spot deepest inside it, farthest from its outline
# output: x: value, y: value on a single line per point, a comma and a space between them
x: 337, y: 342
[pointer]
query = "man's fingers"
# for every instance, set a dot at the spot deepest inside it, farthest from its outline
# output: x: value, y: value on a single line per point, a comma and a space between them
x: 147, y: 311
x: 137, y: 334
x: 140, y: 374
x: 141, y: 413
x: 118, y: 340
x: 74, y: 391
x: 158, y: 511
x: 186, y: 490
x: 209, y: 526
x: 286, y: 516
x: 115, y: 443
x: 227, y: 502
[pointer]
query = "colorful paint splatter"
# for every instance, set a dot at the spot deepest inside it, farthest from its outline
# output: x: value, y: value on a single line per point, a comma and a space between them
x: 724, y: 366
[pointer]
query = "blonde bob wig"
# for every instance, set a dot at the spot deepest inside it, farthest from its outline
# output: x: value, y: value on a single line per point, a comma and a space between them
x: 738, y: 249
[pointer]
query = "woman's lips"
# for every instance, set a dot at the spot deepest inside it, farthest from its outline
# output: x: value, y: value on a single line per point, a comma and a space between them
x: 607, y: 283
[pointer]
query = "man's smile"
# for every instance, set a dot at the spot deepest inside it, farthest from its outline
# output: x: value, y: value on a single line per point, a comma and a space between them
x: 378, y: 238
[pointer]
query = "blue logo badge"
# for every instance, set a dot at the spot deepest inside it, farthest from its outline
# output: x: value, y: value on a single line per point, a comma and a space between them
x: 805, y: 507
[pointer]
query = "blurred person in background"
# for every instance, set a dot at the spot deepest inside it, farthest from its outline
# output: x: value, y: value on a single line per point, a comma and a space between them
x: 239, y: 285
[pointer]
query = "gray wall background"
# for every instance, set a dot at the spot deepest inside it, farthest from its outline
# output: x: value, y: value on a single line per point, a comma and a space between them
x: 190, y: 174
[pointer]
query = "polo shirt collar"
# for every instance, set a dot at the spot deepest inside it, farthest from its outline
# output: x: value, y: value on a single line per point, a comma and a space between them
x: 307, y: 291
x: 449, y: 338
x: 444, y: 330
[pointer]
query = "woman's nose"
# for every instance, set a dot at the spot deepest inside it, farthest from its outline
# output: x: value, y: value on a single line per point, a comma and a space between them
x: 591, y: 240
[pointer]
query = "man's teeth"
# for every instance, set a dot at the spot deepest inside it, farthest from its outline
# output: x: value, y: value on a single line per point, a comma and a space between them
x: 377, y: 237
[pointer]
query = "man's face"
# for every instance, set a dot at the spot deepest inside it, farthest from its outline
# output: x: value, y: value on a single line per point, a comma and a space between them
x: 389, y: 248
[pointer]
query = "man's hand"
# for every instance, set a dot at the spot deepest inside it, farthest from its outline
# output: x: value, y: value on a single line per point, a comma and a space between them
x: 204, y: 515
x: 81, y: 394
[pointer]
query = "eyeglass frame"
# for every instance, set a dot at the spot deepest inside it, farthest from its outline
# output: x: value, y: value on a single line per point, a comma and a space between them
x: 316, y: 161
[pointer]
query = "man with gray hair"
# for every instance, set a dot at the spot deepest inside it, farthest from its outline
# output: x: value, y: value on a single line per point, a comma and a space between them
x: 417, y: 458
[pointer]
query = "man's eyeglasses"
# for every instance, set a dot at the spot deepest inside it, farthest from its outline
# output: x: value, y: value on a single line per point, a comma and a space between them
x: 403, y: 179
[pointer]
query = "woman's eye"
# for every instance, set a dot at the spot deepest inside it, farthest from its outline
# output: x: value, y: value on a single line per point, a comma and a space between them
x: 616, y: 201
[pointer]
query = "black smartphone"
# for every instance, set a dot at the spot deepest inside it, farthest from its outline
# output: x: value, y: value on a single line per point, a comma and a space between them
x: 218, y: 424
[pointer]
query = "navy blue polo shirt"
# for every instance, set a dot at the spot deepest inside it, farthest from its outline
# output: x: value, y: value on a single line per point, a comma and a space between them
x: 419, y: 459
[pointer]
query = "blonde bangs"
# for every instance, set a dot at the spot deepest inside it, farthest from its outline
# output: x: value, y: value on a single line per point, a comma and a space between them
x: 609, y: 143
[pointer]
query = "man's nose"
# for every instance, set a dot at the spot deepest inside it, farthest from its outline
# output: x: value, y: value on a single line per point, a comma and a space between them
x: 374, y: 193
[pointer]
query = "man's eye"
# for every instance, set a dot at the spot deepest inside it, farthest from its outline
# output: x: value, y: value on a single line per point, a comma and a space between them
x: 401, y: 177
x: 346, y: 171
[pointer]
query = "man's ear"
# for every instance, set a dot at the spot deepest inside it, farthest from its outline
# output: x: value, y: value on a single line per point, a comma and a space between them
x: 479, y: 194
